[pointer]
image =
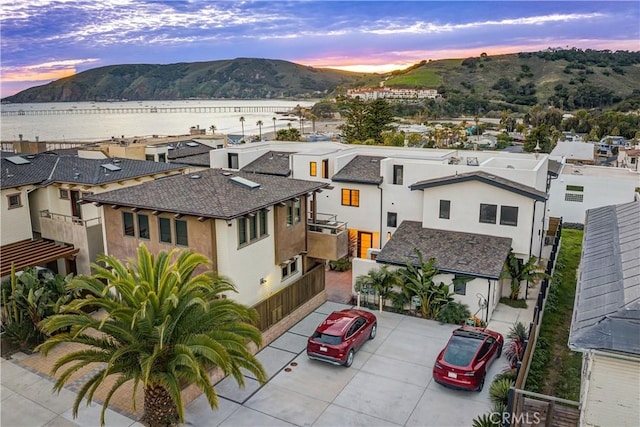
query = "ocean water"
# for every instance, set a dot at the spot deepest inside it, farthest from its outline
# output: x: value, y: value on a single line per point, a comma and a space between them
x: 74, y: 127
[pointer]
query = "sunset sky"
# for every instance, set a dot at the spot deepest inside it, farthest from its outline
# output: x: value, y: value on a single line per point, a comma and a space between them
x: 43, y: 40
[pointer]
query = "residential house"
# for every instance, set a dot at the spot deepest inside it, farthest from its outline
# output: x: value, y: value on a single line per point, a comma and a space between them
x: 570, y: 151
x: 579, y: 188
x: 606, y: 316
x: 43, y: 195
x: 629, y: 158
x: 377, y: 189
x: 255, y: 228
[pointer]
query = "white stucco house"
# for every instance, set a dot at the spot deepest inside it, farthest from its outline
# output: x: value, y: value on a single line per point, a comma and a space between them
x: 606, y: 316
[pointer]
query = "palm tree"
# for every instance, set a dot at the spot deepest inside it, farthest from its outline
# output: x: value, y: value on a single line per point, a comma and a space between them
x: 163, y: 328
x: 213, y: 129
x: 382, y: 281
x: 519, y: 271
x: 274, y: 125
x: 418, y: 281
x: 242, y: 123
x: 259, y: 124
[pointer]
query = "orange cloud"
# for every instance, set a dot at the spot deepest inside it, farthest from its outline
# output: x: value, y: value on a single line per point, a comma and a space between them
x: 27, y: 75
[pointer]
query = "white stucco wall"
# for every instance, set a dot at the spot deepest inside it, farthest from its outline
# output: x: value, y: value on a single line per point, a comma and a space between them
x: 16, y: 222
x: 602, y: 186
x: 365, y: 217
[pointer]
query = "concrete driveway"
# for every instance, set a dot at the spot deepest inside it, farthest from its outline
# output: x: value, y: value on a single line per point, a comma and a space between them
x: 389, y: 383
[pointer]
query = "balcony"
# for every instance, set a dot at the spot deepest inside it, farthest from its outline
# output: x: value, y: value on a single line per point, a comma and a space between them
x: 67, y: 228
x: 327, y: 238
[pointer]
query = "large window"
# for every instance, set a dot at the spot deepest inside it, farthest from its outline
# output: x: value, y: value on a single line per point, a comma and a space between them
x: 325, y: 168
x: 488, y: 213
x: 242, y: 231
x: 392, y: 219
x: 350, y: 197
x: 143, y: 226
x: 14, y: 201
x: 252, y: 227
x: 397, y: 174
x: 509, y: 215
x: 445, y: 209
x: 127, y: 223
x: 164, y: 225
x: 313, y: 168
x: 262, y: 217
x: 232, y: 160
x: 181, y: 233
x: 294, y: 211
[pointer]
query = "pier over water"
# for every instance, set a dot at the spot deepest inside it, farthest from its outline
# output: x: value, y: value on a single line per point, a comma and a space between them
x: 150, y: 110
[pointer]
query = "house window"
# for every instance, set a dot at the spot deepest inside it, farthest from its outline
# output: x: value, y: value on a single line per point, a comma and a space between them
x: 127, y: 222
x: 143, y: 226
x: 313, y: 168
x: 232, y: 160
x: 15, y: 201
x: 181, y: 233
x: 242, y: 231
x: 162, y: 158
x: 149, y: 158
x: 164, y: 224
x: 392, y: 219
x: 325, y: 168
x: 509, y: 215
x: 460, y: 284
x: 488, y: 213
x: 445, y: 209
x: 262, y: 217
x: 289, y: 268
x: 253, y: 227
x: 294, y: 211
x: 64, y: 194
x: 397, y: 174
x: 350, y: 197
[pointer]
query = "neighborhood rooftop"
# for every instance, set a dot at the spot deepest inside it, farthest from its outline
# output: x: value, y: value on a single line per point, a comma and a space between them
x: 210, y: 193
x: 271, y: 163
x: 362, y: 170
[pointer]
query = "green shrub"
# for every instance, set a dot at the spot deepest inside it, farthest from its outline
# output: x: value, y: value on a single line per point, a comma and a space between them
x: 342, y: 264
x: 453, y: 312
x: 499, y: 391
x: 486, y: 420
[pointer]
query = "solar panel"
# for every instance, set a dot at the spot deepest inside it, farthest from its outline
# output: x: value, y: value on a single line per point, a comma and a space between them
x: 246, y: 182
x: 110, y: 167
x: 17, y: 160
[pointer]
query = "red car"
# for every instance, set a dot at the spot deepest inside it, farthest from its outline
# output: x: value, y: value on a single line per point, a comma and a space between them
x: 464, y: 362
x: 340, y: 335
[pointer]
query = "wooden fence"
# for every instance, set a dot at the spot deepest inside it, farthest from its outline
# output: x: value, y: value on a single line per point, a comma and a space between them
x: 287, y: 300
x: 527, y: 408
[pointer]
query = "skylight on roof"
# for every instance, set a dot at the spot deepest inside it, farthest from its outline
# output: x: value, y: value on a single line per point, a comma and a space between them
x: 192, y: 144
x: 17, y: 160
x: 246, y: 182
x: 111, y: 167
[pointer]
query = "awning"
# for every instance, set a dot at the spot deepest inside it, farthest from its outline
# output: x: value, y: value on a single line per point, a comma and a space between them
x: 29, y: 253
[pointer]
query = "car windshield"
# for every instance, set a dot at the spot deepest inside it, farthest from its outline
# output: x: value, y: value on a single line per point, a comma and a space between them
x: 461, y: 349
x: 326, y: 339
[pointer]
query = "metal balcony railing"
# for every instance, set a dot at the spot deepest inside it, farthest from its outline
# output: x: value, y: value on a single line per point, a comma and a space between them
x: 70, y: 219
x: 326, y: 223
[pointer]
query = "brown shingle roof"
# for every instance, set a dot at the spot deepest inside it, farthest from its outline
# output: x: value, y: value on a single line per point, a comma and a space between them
x: 361, y: 170
x: 208, y: 193
x: 454, y: 251
x: 271, y: 163
x: 496, y: 181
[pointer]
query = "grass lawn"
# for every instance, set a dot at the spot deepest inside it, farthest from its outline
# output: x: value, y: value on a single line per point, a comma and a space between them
x: 555, y: 370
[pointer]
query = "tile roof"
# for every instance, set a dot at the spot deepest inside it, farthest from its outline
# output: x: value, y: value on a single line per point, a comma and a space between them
x: 203, y: 159
x: 271, y: 163
x: 455, y: 252
x: 208, y: 193
x: 361, y: 170
x: 47, y: 168
x: 497, y: 181
x: 606, y: 315
x: 182, y: 149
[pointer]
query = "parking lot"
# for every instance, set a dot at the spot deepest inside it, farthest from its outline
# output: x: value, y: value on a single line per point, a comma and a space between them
x: 389, y: 383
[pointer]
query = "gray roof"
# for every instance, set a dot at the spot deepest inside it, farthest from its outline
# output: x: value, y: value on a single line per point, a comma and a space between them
x: 182, y: 149
x: 497, y: 181
x: 606, y: 314
x: 44, y: 169
x: 271, y: 163
x: 554, y: 168
x: 208, y: 193
x: 574, y: 150
x: 361, y: 170
x: 455, y: 252
x: 195, y: 160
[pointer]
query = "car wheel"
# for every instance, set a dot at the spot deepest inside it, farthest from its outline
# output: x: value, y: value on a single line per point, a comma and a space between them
x: 374, y: 330
x: 499, y: 352
x: 481, y: 383
x: 349, y: 360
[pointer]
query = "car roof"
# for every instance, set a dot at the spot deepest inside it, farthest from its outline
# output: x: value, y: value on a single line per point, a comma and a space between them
x: 338, y: 322
x: 476, y: 333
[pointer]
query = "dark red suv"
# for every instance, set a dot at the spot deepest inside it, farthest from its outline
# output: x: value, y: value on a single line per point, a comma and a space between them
x: 464, y: 362
x: 340, y: 335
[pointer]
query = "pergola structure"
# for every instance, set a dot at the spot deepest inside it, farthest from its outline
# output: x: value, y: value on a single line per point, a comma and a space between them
x: 29, y: 253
